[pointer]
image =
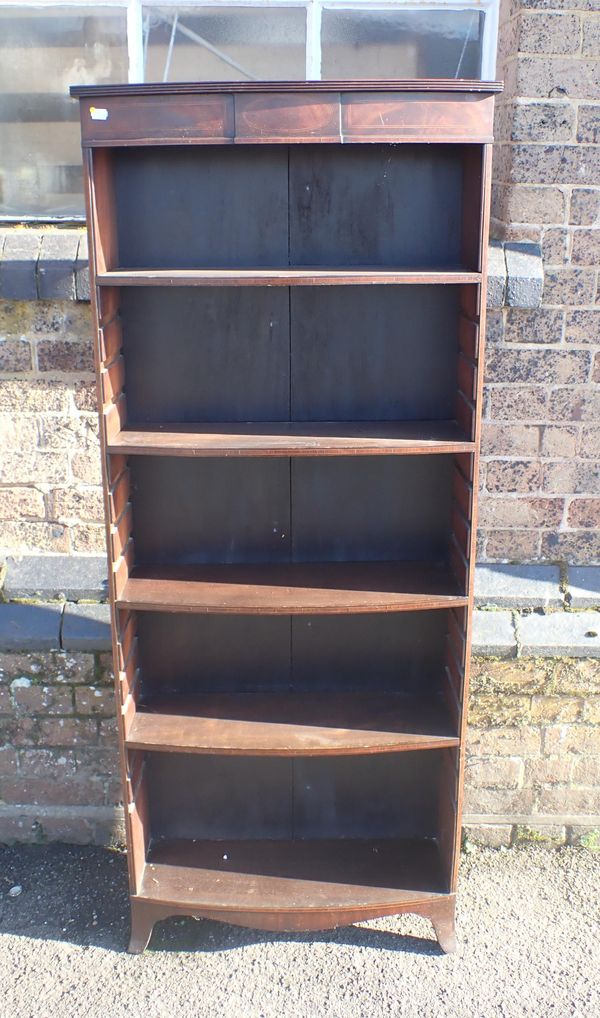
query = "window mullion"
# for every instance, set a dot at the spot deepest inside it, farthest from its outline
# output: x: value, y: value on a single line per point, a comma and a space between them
x: 135, y: 41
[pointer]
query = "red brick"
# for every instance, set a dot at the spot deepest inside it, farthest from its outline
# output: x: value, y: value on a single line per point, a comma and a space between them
x: 46, y: 763
x: 64, y: 355
x: 15, y: 356
x: 586, y: 243
x: 8, y: 761
x: 512, y: 545
x: 542, y: 325
x: 40, y: 699
x: 518, y: 402
x: 520, y: 512
x: 513, y: 475
x: 585, y: 206
x: 581, y: 546
x: 569, y: 286
x: 584, y: 512
x: 68, y: 731
x: 94, y: 700
x: 510, y: 439
x: 583, y: 326
x: 49, y: 791
x: 557, y: 441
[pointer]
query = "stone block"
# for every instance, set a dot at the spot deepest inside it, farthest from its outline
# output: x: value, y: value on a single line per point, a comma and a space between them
x: 489, y: 835
x: 86, y: 627
x: 82, y: 270
x: 522, y: 586
x: 493, y: 634
x: 496, y: 283
x: 524, y: 275
x: 18, y: 268
x: 56, y: 265
x: 30, y: 626
x: 560, y: 634
x: 73, y: 578
x: 583, y: 587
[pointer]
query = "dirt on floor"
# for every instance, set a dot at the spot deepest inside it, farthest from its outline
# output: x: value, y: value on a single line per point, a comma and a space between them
x: 529, y: 945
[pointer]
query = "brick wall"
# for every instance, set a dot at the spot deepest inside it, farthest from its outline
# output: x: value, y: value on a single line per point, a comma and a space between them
x: 532, y: 765
x: 541, y: 441
x: 50, y: 495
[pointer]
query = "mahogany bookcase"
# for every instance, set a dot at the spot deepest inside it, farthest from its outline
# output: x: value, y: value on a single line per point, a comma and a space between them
x: 288, y: 283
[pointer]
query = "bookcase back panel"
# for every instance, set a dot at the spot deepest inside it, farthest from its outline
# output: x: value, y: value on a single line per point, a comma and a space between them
x: 400, y: 652
x: 188, y: 511
x: 206, y: 353
x: 183, y: 208
x: 195, y: 796
x: 398, y: 205
x: 374, y: 353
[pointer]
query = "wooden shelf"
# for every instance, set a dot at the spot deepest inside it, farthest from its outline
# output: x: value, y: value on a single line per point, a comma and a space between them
x: 321, y: 438
x: 285, y: 876
x: 293, y: 589
x: 291, y: 724
x: 306, y: 276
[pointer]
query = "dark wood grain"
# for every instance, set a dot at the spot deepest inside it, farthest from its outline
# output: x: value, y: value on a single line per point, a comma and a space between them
x: 400, y: 85
x: 290, y: 876
x: 285, y: 277
x: 324, y: 438
x: 294, y: 589
x: 288, y: 724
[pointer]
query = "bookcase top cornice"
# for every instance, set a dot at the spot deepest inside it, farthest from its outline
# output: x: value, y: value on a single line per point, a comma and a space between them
x: 363, y: 85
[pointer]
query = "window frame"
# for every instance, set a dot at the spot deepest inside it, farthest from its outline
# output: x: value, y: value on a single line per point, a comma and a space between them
x: 134, y: 10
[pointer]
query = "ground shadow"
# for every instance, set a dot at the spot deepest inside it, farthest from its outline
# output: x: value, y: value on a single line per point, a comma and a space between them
x: 78, y: 894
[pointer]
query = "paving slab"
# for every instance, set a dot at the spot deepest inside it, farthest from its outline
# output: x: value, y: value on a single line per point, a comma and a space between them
x: 48, y: 577
x: 86, y: 627
x: 493, y: 634
x: 522, y: 586
x: 583, y: 586
x: 30, y: 626
x: 560, y: 634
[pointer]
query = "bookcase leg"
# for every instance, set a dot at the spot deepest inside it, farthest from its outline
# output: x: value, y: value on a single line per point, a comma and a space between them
x: 142, y: 924
x: 444, y: 924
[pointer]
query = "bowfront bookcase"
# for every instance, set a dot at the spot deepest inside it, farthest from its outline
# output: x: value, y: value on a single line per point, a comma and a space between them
x: 289, y: 283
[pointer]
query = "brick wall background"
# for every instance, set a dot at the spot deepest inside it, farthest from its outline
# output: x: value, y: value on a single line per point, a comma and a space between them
x: 541, y: 441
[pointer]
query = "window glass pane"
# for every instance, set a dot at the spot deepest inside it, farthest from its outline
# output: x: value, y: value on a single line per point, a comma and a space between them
x: 42, y: 52
x: 401, y: 44
x: 225, y: 43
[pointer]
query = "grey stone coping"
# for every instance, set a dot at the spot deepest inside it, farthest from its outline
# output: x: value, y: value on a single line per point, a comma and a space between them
x: 49, y: 577
x: 494, y: 634
x: 30, y: 626
x: 559, y: 634
x: 583, y: 586
x: 86, y: 627
x: 52, y: 264
x: 522, y: 586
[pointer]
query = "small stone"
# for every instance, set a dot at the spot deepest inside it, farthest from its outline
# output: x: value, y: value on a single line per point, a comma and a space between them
x: 15, y: 891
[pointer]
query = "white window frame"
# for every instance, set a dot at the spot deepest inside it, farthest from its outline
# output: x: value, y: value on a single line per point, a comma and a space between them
x: 314, y: 10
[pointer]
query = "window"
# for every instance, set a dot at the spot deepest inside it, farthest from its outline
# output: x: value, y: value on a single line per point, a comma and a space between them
x: 45, y: 47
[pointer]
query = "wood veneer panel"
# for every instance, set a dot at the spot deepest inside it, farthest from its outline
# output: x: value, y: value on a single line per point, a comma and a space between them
x: 319, y: 438
x: 206, y: 354
x: 238, y: 215
x: 291, y: 724
x: 369, y: 353
x: 376, y: 205
x: 280, y: 276
x: 388, y: 795
x: 276, y: 876
x: 293, y: 589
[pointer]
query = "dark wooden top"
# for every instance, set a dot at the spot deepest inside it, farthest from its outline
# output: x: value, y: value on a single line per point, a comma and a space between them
x: 362, y: 85
x: 242, y: 113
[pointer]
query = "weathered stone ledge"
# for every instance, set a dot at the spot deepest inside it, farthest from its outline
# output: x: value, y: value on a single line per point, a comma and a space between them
x: 52, y: 264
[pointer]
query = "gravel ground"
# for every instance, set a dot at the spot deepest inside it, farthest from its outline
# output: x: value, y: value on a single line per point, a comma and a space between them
x: 529, y: 930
